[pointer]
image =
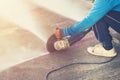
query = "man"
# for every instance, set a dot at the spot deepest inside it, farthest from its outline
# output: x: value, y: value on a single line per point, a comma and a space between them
x: 103, y: 14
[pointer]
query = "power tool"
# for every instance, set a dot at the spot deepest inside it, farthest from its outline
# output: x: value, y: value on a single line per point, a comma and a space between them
x: 57, y: 42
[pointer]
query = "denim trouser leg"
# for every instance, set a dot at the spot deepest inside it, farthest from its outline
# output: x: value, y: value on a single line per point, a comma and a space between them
x: 101, y: 28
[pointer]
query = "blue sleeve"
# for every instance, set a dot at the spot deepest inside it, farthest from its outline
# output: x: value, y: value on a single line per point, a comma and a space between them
x: 99, y: 9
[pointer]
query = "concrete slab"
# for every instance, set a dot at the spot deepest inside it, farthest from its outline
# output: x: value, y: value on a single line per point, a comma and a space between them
x: 17, y: 45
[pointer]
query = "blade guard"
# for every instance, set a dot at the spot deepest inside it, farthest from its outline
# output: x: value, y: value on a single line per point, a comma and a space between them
x: 50, y: 43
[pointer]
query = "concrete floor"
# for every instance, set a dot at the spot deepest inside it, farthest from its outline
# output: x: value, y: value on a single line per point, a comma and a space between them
x: 24, y: 56
x: 25, y: 28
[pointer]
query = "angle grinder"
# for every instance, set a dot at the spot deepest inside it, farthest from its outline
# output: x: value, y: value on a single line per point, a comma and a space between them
x: 57, y: 42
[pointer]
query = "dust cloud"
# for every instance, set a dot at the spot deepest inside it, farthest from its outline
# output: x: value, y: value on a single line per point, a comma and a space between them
x: 19, y: 12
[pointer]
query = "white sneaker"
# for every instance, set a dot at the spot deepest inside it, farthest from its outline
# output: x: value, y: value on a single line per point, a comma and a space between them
x: 98, y: 50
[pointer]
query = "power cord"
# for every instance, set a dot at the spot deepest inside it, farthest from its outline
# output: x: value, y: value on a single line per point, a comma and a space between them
x: 47, y: 76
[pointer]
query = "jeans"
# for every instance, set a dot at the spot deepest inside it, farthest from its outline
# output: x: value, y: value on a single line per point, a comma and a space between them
x: 101, y: 28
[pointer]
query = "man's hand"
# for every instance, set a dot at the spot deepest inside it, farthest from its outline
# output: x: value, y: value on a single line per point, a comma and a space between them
x: 56, y: 42
x: 58, y: 33
x: 61, y: 43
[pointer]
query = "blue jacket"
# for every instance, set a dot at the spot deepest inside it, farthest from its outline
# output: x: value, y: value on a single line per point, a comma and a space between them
x: 99, y: 9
